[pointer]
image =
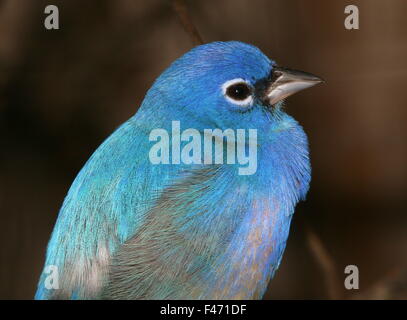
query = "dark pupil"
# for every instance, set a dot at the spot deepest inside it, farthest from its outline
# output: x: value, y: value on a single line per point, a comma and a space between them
x: 238, y: 91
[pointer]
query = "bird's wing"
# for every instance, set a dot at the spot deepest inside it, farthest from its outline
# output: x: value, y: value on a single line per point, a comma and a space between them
x: 103, y: 208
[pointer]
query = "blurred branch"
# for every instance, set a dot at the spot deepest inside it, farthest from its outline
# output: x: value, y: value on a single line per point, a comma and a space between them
x: 325, y: 262
x: 393, y: 286
x: 181, y: 10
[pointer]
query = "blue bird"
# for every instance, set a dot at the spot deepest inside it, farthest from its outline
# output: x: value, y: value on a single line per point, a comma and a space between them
x: 156, y: 214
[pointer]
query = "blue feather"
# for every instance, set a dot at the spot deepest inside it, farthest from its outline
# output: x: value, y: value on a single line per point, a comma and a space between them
x: 129, y: 229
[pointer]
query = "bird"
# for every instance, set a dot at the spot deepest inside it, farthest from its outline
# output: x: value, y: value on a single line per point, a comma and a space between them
x: 144, y: 222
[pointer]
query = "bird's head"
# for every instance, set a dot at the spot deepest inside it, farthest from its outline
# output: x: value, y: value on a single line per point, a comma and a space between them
x: 225, y: 85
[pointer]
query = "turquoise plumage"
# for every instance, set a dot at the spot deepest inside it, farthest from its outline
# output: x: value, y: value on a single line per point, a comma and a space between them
x: 133, y: 229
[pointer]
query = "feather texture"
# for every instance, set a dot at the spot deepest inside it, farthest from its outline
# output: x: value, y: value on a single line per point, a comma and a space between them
x: 129, y: 229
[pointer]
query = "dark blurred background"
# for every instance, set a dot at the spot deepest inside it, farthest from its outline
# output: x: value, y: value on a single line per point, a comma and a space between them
x: 62, y: 92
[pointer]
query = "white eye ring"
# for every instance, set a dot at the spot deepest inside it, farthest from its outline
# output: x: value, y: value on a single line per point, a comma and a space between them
x: 248, y: 101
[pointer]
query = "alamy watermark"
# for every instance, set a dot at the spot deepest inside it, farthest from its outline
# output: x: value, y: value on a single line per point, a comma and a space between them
x: 352, y: 280
x: 51, y: 21
x: 352, y: 20
x: 213, y: 146
x: 51, y: 281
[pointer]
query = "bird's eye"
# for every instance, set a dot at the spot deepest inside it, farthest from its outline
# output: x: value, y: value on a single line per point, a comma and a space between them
x: 238, y: 91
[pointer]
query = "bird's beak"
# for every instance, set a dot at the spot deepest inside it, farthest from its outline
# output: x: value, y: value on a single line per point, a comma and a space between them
x: 285, y: 82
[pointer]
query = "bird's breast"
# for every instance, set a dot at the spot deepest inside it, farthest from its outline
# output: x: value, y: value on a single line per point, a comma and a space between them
x: 253, y: 254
